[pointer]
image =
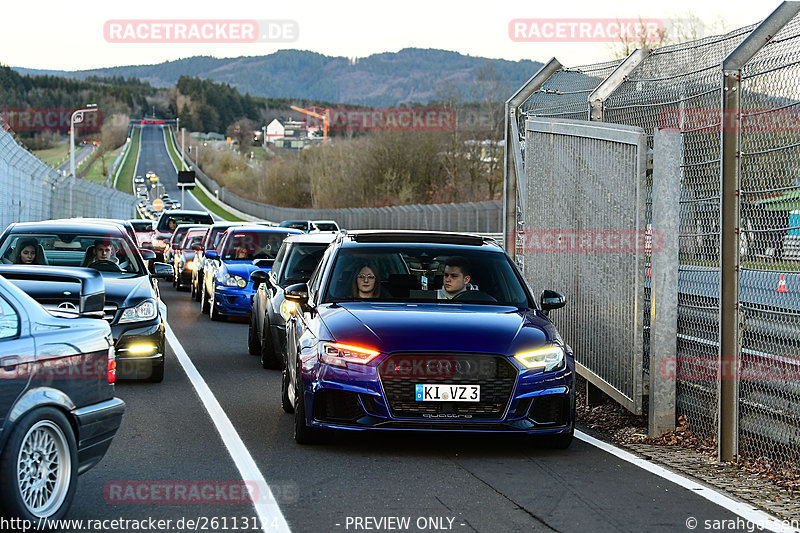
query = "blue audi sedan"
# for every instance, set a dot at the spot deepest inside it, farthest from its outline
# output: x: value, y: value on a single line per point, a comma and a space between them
x: 425, y: 331
x: 227, y: 289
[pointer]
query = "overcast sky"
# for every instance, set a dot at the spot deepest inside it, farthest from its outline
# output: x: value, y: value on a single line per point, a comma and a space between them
x: 70, y: 35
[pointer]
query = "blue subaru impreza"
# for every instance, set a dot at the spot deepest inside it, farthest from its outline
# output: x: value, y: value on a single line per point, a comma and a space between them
x: 425, y: 331
x: 227, y: 289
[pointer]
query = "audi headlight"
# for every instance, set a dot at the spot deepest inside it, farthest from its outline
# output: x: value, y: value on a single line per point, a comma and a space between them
x: 549, y: 358
x: 338, y: 354
x: 147, y: 310
x: 232, y: 280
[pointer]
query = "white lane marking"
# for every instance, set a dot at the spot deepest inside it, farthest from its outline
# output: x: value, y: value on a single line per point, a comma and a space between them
x: 272, y: 519
x: 746, y: 511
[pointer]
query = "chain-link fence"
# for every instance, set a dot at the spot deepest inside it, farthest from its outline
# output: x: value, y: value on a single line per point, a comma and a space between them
x: 681, y: 87
x: 32, y: 191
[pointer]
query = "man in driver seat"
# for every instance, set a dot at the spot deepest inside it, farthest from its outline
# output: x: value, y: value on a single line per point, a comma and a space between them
x: 455, y: 279
x: 104, y: 251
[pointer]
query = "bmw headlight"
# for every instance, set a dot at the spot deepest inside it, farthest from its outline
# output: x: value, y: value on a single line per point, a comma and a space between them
x: 548, y: 358
x: 232, y: 280
x: 146, y: 310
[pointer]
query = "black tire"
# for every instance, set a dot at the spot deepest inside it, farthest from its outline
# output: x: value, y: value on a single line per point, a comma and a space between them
x: 197, y: 289
x: 302, y: 433
x: 286, y: 403
x: 156, y: 373
x: 269, y: 358
x: 204, y: 303
x: 253, y: 342
x: 46, y: 427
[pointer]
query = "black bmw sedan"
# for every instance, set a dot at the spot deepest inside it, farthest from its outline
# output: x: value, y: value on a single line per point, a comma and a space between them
x: 133, y: 304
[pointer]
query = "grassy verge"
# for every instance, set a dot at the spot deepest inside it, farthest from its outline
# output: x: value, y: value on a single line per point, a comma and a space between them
x: 56, y: 155
x: 95, y: 172
x: 173, y: 152
x: 196, y: 192
x: 125, y: 179
x: 214, y: 208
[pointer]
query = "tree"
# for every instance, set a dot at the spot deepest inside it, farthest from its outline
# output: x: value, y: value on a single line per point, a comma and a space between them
x: 242, y: 130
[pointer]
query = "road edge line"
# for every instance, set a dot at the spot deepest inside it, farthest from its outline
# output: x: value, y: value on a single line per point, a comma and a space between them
x: 744, y: 510
x: 272, y: 519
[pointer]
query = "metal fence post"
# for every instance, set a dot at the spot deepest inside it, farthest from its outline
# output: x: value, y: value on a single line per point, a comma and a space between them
x: 513, y: 170
x: 667, y: 155
x: 730, y: 140
x: 612, y: 82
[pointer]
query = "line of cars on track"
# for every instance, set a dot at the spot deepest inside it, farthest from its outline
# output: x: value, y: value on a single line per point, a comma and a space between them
x: 410, y: 355
x: 413, y: 356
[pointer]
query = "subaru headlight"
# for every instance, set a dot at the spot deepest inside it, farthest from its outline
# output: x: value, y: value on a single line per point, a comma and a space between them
x: 146, y: 310
x: 548, y: 358
x: 338, y: 354
x: 232, y: 280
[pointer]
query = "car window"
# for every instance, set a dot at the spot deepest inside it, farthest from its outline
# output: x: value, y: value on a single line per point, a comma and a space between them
x: 302, y: 261
x: 316, y: 276
x: 248, y: 245
x: 417, y: 273
x: 276, y: 266
x: 9, y: 320
x: 72, y: 249
x: 326, y: 226
x: 163, y: 222
x: 295, y: 224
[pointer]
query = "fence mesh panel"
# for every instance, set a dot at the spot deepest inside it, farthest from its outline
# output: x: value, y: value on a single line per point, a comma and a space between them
x: 31, y: 190
x: 680, y: 87
x: 769, y: 247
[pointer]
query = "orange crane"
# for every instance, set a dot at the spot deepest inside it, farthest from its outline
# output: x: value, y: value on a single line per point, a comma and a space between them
x: 325, y: 116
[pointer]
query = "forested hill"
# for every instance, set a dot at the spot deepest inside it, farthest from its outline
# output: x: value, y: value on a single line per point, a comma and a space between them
x: 411, y: 75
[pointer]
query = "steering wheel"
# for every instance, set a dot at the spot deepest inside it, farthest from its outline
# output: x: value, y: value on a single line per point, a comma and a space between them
x: 475, y: 296
x: 104, y: 265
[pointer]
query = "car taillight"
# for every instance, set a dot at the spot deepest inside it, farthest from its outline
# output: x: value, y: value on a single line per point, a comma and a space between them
x: 112, y: 365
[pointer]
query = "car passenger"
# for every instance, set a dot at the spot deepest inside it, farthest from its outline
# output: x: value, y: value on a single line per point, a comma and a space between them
x: 456, y: 277
x: 242, y: 253
x: 366, y: 282
x: 25, y: 252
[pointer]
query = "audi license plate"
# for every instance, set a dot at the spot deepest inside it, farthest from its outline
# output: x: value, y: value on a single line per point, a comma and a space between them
x: 448, y: 393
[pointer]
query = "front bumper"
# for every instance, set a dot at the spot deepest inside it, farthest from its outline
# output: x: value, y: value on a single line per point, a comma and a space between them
x: 533, y: 403
x: 140, y: 348
x: 234, y: 300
